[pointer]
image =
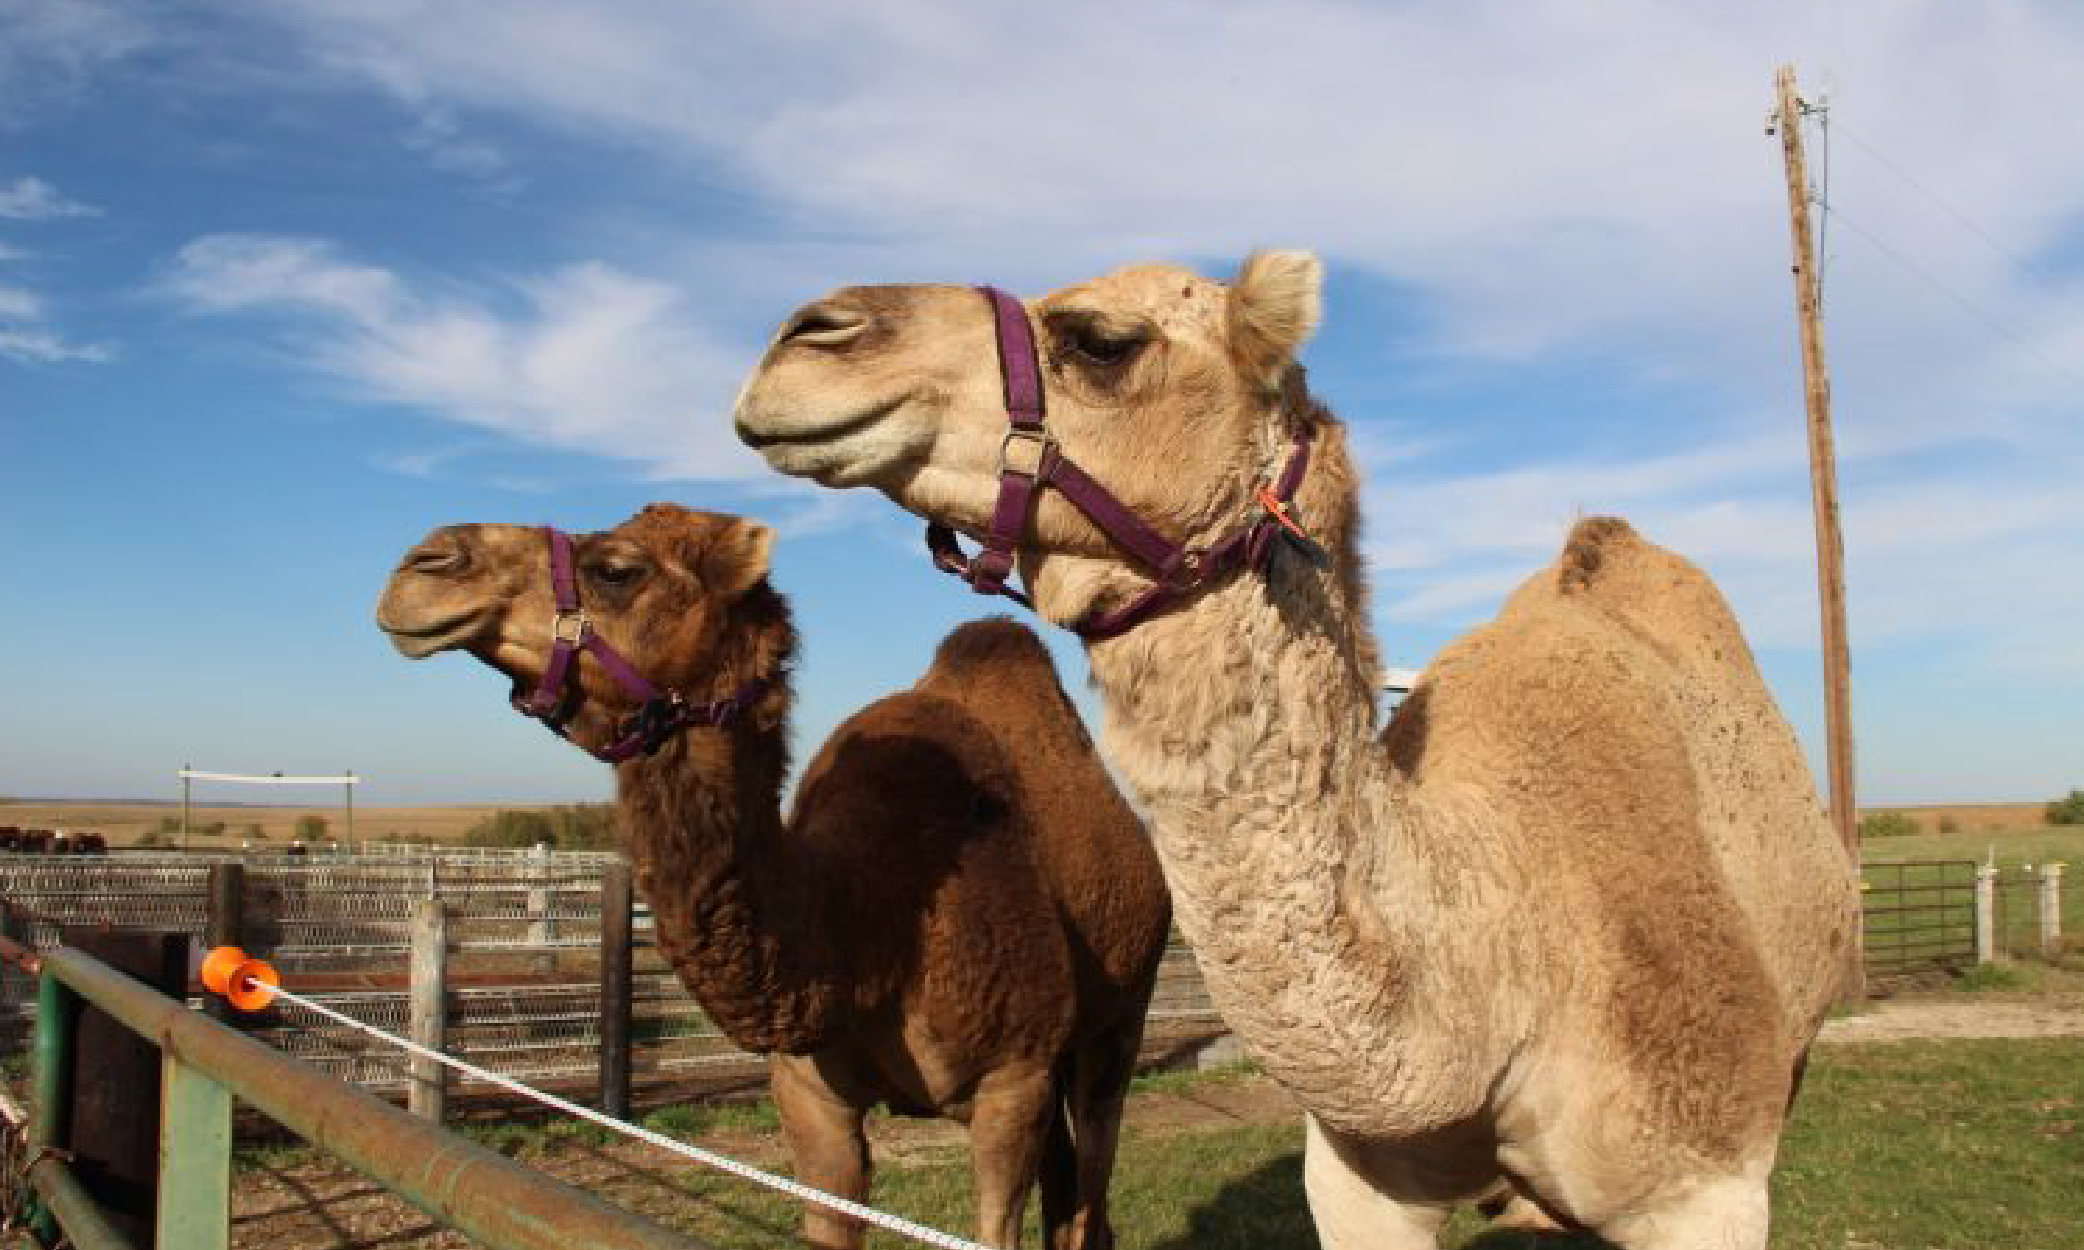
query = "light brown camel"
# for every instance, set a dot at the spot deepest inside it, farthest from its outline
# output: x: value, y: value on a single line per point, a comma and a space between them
x: 961, y: 916
x: 1564, y: 931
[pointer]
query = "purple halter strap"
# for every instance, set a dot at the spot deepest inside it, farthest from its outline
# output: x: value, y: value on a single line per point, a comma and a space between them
x: 1029, y: 460
x: 660, y: 714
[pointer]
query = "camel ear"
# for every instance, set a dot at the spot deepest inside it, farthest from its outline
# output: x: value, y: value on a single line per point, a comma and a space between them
x: 736, y: 557
x: 1275, y: 305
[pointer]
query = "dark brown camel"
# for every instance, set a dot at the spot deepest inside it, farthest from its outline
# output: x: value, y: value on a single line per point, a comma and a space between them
x: 961, y: 916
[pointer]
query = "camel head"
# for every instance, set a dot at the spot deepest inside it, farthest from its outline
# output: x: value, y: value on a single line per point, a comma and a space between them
x: 671, y: 591
x: 1178, y: 394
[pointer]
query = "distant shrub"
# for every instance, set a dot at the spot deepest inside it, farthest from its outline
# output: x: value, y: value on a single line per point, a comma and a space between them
x: 155, y: 837
x: 311, y: 827
x: 1947, y: 824
x: 255, y: 833
x: 567, y: 827
x: 1887, y: 825
x: 2069, y: 811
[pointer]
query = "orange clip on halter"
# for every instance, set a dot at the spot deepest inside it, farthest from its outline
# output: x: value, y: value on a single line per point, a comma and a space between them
x: 246, y: 983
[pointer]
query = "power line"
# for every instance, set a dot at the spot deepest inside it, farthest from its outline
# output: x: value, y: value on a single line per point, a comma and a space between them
x: 1960, y: 217
x: 1970, y: 306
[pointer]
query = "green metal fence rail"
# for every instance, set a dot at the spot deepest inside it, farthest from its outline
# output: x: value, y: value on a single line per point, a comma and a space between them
x: 478, y: 1192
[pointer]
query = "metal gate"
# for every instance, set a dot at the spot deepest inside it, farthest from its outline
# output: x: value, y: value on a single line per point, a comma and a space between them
x: 1920, y: 915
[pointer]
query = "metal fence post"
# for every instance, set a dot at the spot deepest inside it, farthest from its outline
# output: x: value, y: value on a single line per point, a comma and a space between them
x: 50, y: 1127
x: 2051, y: 909
x: 427, y: 1096
x: 1985, y: 913
x: 615, y: 990
x: 195, y: 1160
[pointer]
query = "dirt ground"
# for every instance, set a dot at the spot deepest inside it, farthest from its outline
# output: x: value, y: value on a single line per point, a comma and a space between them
x: 315, y: 1206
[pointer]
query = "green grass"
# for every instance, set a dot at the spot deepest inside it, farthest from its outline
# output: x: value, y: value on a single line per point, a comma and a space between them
x: 2012, y: 846
x: 1901, y: 1146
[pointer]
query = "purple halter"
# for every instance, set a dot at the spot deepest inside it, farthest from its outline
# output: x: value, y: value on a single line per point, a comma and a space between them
x: 1029, y: 460
x: 660, y: 714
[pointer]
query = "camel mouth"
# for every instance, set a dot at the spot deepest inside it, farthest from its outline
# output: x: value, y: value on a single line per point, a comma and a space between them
x: 805, y: 436
x: 416, y: 640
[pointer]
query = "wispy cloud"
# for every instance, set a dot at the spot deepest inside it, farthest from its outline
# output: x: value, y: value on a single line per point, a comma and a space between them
x: 28, y: 334
x: 585, y: 358
x: 33, y: 199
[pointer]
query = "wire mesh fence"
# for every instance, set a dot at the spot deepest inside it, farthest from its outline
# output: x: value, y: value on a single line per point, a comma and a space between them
x: 524, y: 933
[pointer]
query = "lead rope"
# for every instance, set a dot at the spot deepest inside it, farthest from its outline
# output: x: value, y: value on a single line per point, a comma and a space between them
x: 248, y: 982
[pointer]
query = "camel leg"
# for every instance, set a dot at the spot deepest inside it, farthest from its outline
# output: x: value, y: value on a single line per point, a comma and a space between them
x: 825, y: 1139
x: 1725, y: 1213
x: 1351, y: 1212
x: 1009, y: 1123
x: 1098, y: 1086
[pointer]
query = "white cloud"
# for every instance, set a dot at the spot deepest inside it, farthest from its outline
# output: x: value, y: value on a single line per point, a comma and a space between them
x: 33, y: 199
x: 586, y: 358
x: 34, y: 346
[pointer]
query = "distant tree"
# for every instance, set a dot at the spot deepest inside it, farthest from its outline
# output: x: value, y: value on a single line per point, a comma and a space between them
x: 2069, y: 811
x: 311, y: 827
x: 255, y: 833
x: 568, y: 827
x: 1887, y: 825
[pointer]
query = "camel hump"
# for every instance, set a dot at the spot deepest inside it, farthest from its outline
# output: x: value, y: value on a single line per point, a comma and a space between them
x: 994, y: 649
x: 1593, y: 543
x: 1659, y: 597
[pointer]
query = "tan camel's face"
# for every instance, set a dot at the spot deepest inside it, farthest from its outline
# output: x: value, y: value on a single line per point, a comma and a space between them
x: 656, y: 588
x: 1159, y: 383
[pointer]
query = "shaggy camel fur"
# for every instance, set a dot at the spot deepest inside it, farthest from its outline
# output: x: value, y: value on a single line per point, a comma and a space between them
x: 1562, y: 933
x: 960, y: 917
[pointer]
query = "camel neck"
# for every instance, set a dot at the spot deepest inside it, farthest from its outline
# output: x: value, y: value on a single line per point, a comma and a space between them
x: 702, y: 820
x: 1245, y: 722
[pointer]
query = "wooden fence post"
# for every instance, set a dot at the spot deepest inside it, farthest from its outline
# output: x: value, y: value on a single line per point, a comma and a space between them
x: 2051, y: 909
x: 1985, y: 913
x: 224, y: 924
x: 615, y: 989
x: 427, y: 1095
x: 116, y: 1081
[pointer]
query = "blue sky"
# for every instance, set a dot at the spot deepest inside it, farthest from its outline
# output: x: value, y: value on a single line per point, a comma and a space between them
x: 283, y: 286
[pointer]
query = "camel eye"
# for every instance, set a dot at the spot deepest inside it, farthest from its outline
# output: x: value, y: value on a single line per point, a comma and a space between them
x: 615, y: 573
x: 1093, y: 343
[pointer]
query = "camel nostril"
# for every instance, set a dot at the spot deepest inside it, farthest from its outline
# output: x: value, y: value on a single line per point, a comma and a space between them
x: 823, y: 325
x: 440, y: 555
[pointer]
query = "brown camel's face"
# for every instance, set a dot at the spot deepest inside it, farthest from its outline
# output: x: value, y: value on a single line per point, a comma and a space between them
x: 656, y: 588
x: 1160, y: 384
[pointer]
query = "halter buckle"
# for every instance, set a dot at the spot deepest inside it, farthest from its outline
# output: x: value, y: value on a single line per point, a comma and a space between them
x: 580, y: 625
x: 1044, y: 447
x: 1187, y: 572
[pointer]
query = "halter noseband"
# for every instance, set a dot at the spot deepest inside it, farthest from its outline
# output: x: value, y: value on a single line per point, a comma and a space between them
x: 1029, y: 460
x: 660, y: 713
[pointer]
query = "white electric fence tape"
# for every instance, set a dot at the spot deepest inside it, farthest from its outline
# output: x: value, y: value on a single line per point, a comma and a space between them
x: 845, y: 1206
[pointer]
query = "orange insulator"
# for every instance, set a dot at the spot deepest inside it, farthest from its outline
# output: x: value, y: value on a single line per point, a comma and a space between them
x: 245, y: 982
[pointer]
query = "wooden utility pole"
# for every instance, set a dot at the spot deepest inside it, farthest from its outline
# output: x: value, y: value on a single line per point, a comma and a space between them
x: 1823, y: 481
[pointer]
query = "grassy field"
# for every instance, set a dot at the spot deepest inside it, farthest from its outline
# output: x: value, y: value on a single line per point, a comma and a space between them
x: 1931, y: 1145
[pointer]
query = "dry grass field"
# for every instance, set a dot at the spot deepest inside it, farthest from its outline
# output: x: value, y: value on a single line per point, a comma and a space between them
x: 126, y: 824
x: 1973, y: 817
